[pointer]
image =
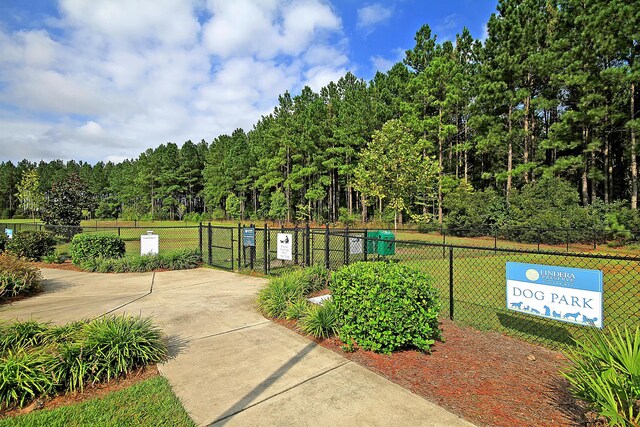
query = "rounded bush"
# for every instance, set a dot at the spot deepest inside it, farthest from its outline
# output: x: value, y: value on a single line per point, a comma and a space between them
x: 96, y: 245
x: 385, y: 306
x: 31, y: 244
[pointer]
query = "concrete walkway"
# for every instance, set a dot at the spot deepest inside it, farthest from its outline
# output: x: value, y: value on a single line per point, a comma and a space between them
x: 230, y: 365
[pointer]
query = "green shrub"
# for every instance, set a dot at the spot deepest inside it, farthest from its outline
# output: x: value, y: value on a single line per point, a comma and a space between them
x: 175, y: 260
x: 297, y: 309
x: 19, y: 335
x: 24, y: 376
x: 320, y: 321
x: 115, y: 345
x: 606, y: 374
x: 17, y: 277
x: 314, y: 278
x: 31, y: 244
x: 384, y: 306
x: 96, y: 245
x: 37, y: 358
x: 279, y: 294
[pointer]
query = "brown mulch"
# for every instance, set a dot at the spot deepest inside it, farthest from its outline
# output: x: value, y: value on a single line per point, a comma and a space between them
x: 486, y: 377
x: 90, y: 392
x: 67, y: 265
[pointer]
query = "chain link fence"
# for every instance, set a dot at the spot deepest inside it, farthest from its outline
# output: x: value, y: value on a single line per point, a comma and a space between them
x: 471, y: 278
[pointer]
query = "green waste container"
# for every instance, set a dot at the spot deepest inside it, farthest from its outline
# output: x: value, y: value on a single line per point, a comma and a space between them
x: 372, y: 245
x: 387, y: 243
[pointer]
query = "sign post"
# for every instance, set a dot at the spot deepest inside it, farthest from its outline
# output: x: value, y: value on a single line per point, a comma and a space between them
x: 249, y: 241
x: 572, y: 295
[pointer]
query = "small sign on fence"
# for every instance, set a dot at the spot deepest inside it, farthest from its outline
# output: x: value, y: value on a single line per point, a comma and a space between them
x: 355, y: 245
x: 249, y: 236
x: 149, y: 244
x: 9, y: 233
x: 285, y: 251
x: 571, y: 295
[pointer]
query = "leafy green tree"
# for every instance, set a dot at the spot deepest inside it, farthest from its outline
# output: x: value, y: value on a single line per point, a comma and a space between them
x: 64, y: 204
x: 29, y: 193
x: 392, y: 167
x: 232, y: 206
x: 278, y: 206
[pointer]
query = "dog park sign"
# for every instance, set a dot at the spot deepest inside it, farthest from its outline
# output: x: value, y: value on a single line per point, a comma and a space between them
x: 571, y: 295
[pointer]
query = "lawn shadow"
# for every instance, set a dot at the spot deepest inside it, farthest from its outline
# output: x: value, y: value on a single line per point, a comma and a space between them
x: 544, y: 331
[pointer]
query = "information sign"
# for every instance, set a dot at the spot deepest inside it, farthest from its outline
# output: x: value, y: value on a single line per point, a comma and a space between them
x: 149, y: 244
x: 249, y: 236
x: 284, y: 251
x: 566, y: 294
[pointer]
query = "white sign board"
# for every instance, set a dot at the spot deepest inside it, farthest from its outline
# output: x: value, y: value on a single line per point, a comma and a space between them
x: 355, y: 245
x: 149, y: 244
x: 9, y: 233
x: 285, y: 251
x: 572, y: 295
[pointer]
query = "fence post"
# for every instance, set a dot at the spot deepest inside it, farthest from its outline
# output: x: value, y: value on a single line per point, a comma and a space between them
x: 200, y: 237
x: 326, y: 245
x: 365, y: 243
x: 307, y: 255
x: 595, y: 239
x: 451, y: 304
x: 444, y: 241
x: 295, y: 244
x: 265, y: 247
x: 209, y: 233
x: 118, y: 231
x: 346, y: 245
x: 240, y: 244
x: 495, y: 239
x: 539, y: 238
x: 567, y: 240
x: 232, y: 249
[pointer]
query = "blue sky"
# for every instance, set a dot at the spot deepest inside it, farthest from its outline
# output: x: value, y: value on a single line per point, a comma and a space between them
x: 106, y: 79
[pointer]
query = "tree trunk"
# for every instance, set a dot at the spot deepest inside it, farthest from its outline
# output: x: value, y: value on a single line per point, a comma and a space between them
x: 440, y: 161
x: 509, y: 155
x: 633, y: 154
x: 525, y: 157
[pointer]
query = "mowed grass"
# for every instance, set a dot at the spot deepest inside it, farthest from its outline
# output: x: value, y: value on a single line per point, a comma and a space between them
x: 147, y: 403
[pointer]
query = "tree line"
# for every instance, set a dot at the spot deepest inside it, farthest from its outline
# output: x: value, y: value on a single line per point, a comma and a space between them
x: 551, y: 96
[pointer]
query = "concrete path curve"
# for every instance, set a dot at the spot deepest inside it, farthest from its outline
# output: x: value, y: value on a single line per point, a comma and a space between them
x: 229, y: 365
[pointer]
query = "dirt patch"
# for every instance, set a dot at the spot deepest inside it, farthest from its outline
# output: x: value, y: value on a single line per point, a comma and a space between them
x: 90, y: 392
x: 486, y: 377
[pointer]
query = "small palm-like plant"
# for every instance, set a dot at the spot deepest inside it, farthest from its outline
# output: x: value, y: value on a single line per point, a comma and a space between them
x: 606, y: 374
x: 321, y: 321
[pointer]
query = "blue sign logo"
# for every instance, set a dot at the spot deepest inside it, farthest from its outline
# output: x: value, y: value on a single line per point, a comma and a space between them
x: 571, y: 295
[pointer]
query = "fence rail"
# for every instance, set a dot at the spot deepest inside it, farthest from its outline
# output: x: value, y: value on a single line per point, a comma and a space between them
x: 471, y: 279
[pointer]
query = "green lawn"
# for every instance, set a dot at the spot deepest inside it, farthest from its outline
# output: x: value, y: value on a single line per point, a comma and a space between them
x: 148, y: 403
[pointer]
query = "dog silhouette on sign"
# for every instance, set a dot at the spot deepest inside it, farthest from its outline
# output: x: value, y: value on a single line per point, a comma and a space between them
x: 517, y: 305
x: 547, y: 311
x: 574, y: 315
x: 591, y: 321
x: 286, y: 240
x: 556, y: 314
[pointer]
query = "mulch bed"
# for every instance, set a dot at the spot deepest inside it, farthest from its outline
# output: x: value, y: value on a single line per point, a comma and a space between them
x: 486, y: 377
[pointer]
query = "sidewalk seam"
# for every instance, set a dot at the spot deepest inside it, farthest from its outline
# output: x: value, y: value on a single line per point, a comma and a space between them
x: 153, y: 277
x: 226, y: 417
x: 231, y: 330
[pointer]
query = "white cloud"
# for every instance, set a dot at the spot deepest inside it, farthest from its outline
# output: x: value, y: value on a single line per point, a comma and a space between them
x: 384, y: 64
x: 108, y: 79
x: 372, y: 15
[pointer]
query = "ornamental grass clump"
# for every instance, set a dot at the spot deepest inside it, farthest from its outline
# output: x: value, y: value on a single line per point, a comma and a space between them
x: 17, y: 277
x: 384, y: 306
x: 320, y: 321
x: 605, y: 373
x: 39, y: 358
